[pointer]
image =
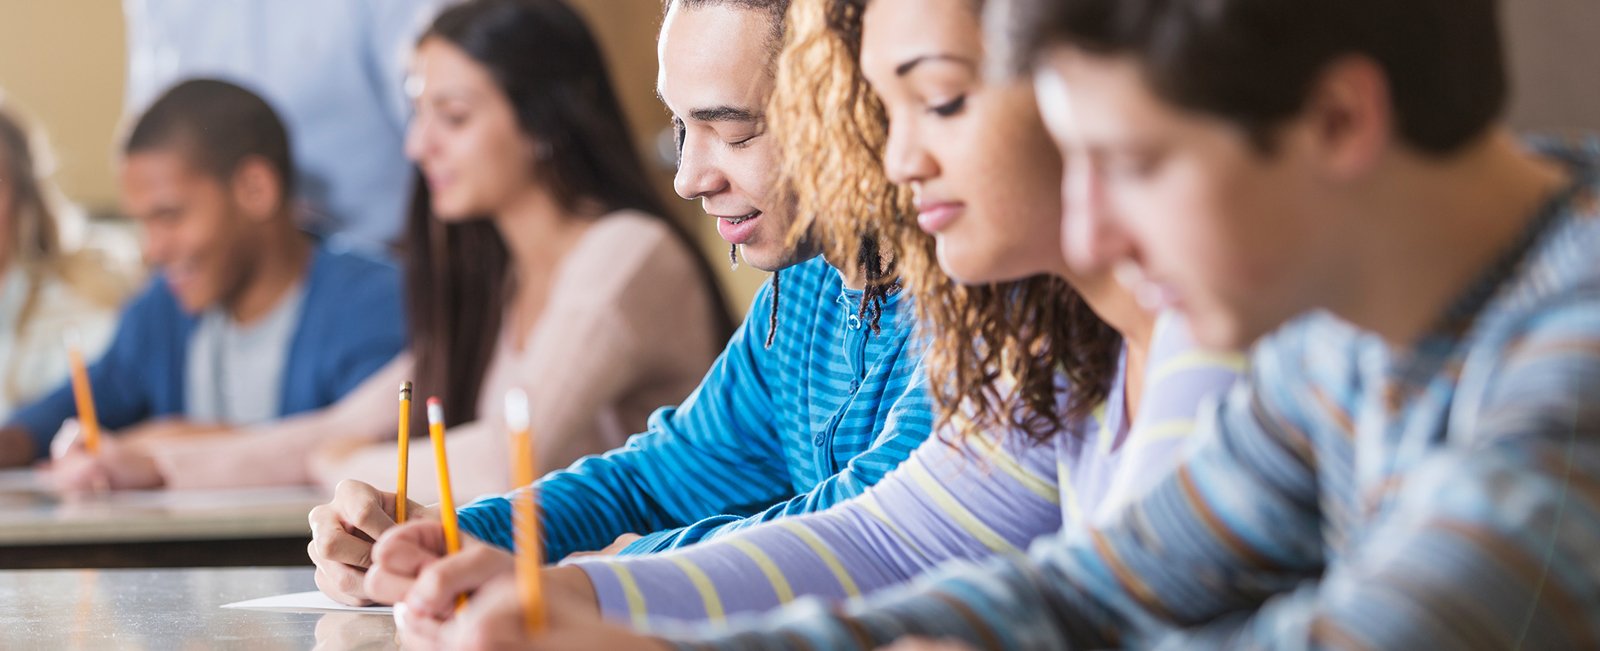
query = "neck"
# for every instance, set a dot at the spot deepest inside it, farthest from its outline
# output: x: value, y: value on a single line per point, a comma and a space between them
x: 853, y: 278
x: 1428, y: 230
x: 281, y: 264
x: 1117, y: 306
x: 538, y: 233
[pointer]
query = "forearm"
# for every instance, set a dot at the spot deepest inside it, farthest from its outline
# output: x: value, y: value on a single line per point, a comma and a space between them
x: 996, y: 605
x: 936, y: 507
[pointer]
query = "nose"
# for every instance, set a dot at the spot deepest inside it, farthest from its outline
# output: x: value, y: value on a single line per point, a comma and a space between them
x: 905, y: 160
x: 1093, y: 240
x: 698, y: 175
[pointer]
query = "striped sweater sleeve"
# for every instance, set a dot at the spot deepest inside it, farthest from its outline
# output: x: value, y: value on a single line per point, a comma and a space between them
x: 712, y: 454
x: 1485, y: 544
x: 938, y: 505
x: 909, y: 421
x: 956, y: 498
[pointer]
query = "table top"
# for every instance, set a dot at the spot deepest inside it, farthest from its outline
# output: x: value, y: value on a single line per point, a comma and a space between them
x: 32, y: 513
x: 172, y: 609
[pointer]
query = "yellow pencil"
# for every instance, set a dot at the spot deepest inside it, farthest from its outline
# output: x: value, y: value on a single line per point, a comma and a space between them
x: 87, y: 423
x: 525, y: 516
x: 447, y: 503
x: 405, y: 449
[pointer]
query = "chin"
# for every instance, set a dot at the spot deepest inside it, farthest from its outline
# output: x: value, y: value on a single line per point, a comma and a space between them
x: 970, y: 268
x: 452, y: 212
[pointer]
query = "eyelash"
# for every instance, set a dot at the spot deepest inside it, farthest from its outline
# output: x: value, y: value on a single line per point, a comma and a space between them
x: 680, y: 133
x: 950, y: 108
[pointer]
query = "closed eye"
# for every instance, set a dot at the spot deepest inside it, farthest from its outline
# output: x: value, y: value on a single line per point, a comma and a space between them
x: 950, y: 108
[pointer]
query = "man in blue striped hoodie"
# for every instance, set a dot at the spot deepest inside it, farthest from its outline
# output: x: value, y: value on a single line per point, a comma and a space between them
x: 811, y: 402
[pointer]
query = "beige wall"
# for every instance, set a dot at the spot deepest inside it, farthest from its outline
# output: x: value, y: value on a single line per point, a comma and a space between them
x: 62, y: 61
x: 1555, y: 63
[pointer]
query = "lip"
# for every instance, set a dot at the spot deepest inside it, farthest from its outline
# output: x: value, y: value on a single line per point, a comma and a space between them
x: 438, y: 182
x: 741, y: 232
x: 935, y: 216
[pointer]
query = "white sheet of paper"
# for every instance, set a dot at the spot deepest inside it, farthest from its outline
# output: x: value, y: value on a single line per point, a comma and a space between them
x: 307, y: 602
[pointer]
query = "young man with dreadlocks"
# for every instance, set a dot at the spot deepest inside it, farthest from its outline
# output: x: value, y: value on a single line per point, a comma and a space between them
x: 816, y: 398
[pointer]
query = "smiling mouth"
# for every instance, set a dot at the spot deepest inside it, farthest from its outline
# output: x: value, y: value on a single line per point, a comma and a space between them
x: 741, y: 219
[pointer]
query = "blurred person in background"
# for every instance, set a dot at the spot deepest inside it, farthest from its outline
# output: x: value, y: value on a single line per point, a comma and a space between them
x: 47, y: 285
x: 537, y: 256
x: 334, y: 70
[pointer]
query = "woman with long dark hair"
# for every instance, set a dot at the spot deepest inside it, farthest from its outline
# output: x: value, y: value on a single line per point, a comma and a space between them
x: 537, y: 256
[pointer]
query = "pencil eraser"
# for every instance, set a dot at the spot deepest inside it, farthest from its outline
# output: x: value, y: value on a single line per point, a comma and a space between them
x: 435, y: 411
x: 517, y: 410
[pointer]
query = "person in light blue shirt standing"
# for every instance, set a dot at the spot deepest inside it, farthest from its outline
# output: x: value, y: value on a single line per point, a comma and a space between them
x: 335, y: 71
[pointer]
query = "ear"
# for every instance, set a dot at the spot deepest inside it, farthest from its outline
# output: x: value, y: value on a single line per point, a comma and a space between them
x: 1350, y: 116
x: 257, y: 189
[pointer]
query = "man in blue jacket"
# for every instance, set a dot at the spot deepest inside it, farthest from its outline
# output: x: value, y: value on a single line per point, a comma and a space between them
x: 248, y: 319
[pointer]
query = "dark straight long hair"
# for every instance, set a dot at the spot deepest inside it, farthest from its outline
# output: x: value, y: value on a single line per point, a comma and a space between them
x: 547, y: 62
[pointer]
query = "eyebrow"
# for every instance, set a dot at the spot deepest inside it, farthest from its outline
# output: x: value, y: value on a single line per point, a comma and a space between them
x: 724, y: 114
x: 716, y: 113
x: 905, y: 68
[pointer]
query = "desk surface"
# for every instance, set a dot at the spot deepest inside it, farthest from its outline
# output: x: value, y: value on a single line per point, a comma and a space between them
x: 31, y: 513
x: 172, y: 609
x: 41, y: 528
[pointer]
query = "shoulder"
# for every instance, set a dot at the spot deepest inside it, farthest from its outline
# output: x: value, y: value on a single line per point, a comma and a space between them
x: 156, y: 300
x: 345, y: 263
x: 629, y: 256
x: 808, y: 287
x: 627, y: 243
x: 348, y: 277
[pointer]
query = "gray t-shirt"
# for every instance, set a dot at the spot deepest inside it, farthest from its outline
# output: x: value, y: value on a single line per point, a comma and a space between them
x: 235, y: 373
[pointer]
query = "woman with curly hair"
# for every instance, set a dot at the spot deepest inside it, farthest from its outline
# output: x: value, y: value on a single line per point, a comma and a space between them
x: 1059, y: 396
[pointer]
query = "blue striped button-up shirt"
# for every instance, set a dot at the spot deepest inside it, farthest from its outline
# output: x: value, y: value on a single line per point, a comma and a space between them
x: 824, y: 413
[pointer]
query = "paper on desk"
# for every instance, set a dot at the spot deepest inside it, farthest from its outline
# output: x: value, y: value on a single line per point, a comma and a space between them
x: 307, y: 602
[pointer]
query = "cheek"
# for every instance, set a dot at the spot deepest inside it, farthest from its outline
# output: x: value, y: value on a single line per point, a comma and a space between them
x: 749, y: 178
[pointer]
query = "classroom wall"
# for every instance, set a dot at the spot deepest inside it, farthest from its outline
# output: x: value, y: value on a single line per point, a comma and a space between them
x: 1555, y: 63
x: 62, y: 61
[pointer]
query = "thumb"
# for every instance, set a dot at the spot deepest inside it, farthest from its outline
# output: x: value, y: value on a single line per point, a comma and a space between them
x: 68, y: 437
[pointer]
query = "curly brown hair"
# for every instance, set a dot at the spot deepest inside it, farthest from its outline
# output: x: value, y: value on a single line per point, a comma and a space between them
x: 992, y: 351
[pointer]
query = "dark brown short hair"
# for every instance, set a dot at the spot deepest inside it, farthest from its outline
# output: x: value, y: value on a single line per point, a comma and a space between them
x: 216, y: 125
x: 1253, y: 62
